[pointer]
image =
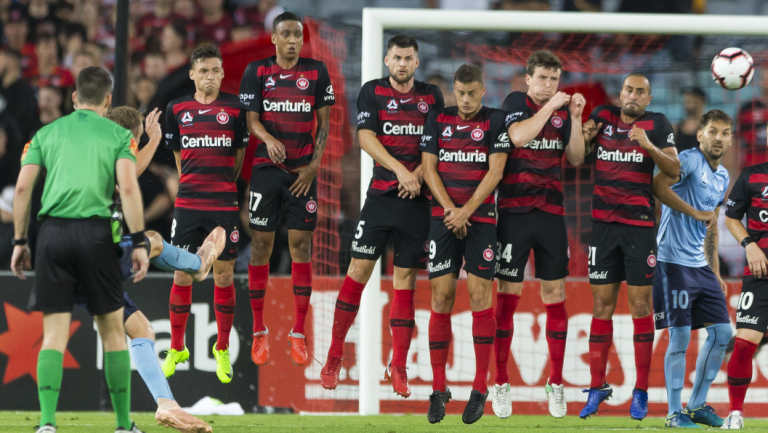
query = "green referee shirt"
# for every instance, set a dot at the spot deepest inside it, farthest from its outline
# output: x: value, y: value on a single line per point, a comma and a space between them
x: 79, y: 152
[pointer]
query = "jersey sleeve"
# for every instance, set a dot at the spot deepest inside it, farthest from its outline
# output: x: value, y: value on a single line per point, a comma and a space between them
x: 738, y: 201
x: 31, y: 153
x: 567, y: 124
x: 241, y: 130
x: 516, y: 107
x: 250, y: 89
x: 689, y: 163
x: 324, y: 95
x: 171, y: 128
x: 498, y: 133
x: 727, y: 181
x: 429, y: 139
x: 663, y: 134
x: 367, y: 112
x: 128, y: 148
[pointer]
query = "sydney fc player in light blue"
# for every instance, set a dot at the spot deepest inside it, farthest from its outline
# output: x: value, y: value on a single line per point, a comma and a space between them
x: 688, y: 292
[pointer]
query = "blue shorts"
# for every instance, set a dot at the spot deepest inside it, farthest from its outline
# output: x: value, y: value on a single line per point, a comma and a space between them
x: 129, y: 307
x: 686, y: 296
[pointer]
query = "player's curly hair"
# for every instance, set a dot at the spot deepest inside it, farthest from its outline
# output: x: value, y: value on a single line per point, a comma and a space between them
x: 714, y: 116
x: 542, y: 58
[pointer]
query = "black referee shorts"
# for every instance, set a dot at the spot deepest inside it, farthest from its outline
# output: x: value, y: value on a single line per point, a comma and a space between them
x: 76, y: 259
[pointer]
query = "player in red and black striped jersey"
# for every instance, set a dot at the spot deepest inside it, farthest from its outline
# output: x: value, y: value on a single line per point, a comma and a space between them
x: 288, y: 98
x: 544, y: 124
x: 464, y: 150
x: 207, y: 134
x: 628, y: 142
x: 390, y: 121
x: 749, y: 196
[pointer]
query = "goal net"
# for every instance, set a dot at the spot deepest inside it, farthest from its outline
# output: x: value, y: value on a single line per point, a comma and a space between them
x: 597, y: 51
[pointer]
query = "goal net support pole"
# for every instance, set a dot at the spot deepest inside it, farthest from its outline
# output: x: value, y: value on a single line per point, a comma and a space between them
x: 377, y: 20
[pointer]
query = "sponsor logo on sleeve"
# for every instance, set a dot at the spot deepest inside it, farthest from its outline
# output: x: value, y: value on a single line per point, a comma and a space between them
x: 269, y: 83
x: 392, y: 105
x: 671, y: 138
x: 186, y: 118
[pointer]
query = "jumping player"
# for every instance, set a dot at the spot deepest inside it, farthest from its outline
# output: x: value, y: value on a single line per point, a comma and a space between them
x: 544, y: 124
x: 688, y: 292
x: 629, y: 142
x: 748, y: 196
x: 390, y: 121
x: 464, y: 150
x: 284, y: 95
x: 207, y: 134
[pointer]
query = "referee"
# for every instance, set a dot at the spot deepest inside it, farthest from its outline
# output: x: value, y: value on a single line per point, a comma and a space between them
x: 83, y: 154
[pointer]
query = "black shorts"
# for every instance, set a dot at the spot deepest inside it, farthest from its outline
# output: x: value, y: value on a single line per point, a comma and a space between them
x: 687, y: 296
x: 269, y: 200
x: 752, y: 309
x: 542, y: 232
x: 477, y: 249
x: 405, y: 222
x: 129, y: 307
x: 620, y: 252
x: 76, y: 259
x: 190, y: 227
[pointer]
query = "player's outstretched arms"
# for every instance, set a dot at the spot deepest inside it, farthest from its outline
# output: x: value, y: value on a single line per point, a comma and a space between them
x: 756, y: 260
x: 662, y: 184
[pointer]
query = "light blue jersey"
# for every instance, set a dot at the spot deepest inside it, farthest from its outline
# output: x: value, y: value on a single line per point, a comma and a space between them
x: 680, y: 237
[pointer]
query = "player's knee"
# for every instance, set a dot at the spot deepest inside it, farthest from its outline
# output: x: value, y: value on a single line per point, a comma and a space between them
x: 223, y: 277
x: 360, y: 270
x: 300, y: 248
x: 720, y: 334
x: 510, y: 288
x: 442, y: 302
x: 639, y: 307
x: 552, y: 291
x: 261, y: 247
x: 603, y: 308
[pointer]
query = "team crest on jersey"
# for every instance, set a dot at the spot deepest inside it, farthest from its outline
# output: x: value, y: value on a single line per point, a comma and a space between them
x: 651, y: 261
x: 186, y: 118
x: 488, y: 254
x: 234, y: 236
x: 222, y: 118
x: 447, y: 132
x: 392, y: 105
x: 477, y: 134
x: 311, y: 206
x: 556, y: 121
x: 270, y: 83
x: 423, y: 107
x: 302, y: 83
x: 608, y: 130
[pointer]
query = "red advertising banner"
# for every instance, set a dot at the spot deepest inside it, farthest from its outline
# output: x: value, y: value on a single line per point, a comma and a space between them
x: 282, y: 383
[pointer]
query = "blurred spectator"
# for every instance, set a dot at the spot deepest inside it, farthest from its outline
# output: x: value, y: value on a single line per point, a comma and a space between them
x: 143, y: 89
x: 258, y: 17
x: 82, y: 60
x: 9, y: 169
x: 694, y: 101
x: 96, y: 28
x: 13, y: 87
x: 154, y: 66
x: 152, y: 23
x: 517, y: 83
x: 187, y: 12
x: 157, y: 197
x: 751, y: 122
x: 583, y: 5
x: 176, y: 83
x: 215, y: 23
x: 47, y: 70
x: 72, y: 40
x: 448, y: 97
x: 50, y: 100
x: 16, y: 32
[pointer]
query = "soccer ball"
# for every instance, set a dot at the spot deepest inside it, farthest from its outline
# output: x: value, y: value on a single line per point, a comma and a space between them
x: 732, y: 68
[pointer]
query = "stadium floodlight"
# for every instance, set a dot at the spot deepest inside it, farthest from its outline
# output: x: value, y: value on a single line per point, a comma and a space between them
x: 377, y: 20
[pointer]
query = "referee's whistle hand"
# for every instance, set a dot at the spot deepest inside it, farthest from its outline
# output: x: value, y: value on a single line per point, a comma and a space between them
x: 140, y: 264
x: 21, y: 260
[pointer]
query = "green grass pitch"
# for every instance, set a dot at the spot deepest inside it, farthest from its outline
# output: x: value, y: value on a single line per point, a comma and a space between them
x: 101, y: 422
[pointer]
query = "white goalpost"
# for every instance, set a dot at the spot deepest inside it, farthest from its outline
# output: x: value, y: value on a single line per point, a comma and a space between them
x: 377, y: 20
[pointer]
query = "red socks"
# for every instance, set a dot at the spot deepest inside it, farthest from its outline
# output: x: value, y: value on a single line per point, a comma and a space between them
x: 643, y: 349
x: 439, y: 342
x: 301, y: 273
x: 401, y: 323
x: 557, y: 331
x: 178, y: 307
x: 506, y: 304
x: 347, y: 304
x: 740, y: 371
x: 483, y: 330
x: 257, y: 288
x: 224, y: 309
x: 600, y: 339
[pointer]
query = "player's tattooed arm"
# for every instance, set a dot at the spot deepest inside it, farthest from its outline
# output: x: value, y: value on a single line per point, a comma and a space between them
x: 177, y: 158
x: 710, y: 249
x: 574, y: 152
x: 756, y: 260
x: 662, y: 188
x: 323, y: 126
x: 239, y: 156
x: 666, y: 159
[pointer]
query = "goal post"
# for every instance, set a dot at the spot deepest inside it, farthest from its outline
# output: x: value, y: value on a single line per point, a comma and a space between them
x: 377, y: 20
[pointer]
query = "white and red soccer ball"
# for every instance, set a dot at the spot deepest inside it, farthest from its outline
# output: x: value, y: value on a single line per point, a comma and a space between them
x: 732, y: 68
